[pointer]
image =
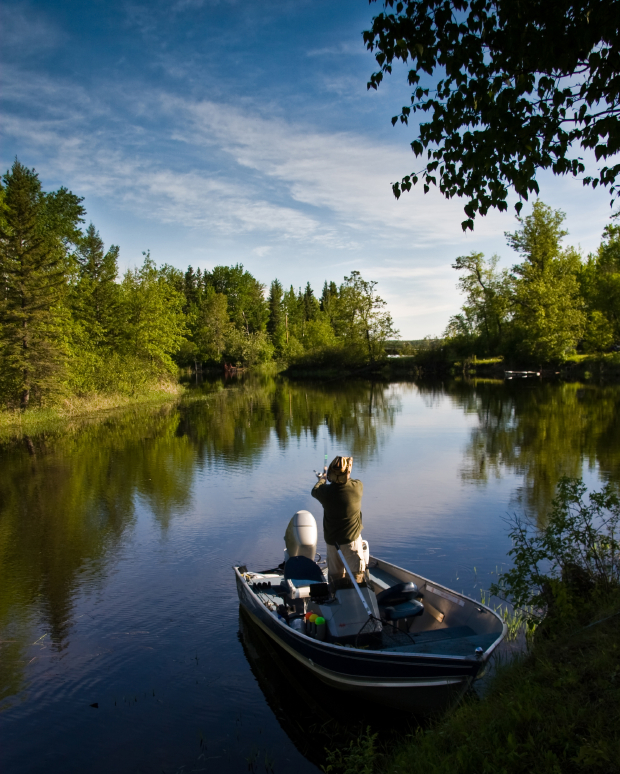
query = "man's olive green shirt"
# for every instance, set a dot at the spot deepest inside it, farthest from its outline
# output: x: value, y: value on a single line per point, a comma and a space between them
x: 342, y: 515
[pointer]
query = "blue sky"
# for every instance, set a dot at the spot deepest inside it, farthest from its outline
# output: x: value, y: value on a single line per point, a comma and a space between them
x: 224, y: 131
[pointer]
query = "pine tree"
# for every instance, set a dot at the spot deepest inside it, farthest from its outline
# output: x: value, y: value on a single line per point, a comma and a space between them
x: 96, y: 296
x: 329, y: 302
x: 311, y: 305
x: 274, y: 301
x: 36, y: 234
x: 190, y: 288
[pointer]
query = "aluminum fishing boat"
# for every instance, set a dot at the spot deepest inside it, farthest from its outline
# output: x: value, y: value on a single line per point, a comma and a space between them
x: 396, y: 637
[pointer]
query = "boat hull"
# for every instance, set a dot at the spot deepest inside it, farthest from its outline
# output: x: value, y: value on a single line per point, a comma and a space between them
x: 420, y: 683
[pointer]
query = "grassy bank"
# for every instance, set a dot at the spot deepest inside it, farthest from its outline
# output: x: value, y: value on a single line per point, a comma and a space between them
x: 605, y: 365
x: 33, y: 420
x: 555, y: 710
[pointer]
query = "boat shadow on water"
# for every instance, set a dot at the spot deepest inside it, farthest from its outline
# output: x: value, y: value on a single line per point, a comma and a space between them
x: 315, y: 716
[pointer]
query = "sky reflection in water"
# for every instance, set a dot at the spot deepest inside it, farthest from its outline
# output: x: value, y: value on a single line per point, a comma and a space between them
x: 117, y: 537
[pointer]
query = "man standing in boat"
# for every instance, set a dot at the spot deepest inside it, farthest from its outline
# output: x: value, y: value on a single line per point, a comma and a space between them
x: 342, y: 518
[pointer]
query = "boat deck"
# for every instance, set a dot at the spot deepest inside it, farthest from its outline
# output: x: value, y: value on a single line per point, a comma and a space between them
x: 453, y: 641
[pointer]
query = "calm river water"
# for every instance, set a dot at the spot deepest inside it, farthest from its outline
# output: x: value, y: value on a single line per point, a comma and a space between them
x: 122, y: 646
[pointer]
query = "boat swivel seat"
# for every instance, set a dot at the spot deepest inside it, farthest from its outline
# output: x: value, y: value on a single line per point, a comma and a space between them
x: 399, y: 602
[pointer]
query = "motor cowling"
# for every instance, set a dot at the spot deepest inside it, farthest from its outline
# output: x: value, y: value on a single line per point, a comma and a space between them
x: 301, y: 536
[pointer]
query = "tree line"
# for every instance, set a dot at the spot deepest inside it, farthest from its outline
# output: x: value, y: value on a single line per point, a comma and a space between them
x: 550, y: 305
x: 70, y: 325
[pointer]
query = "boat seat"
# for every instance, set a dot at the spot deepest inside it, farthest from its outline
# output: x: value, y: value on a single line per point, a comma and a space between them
x: 404, y: 610
x: 395, y: 595
x: 301, y: 568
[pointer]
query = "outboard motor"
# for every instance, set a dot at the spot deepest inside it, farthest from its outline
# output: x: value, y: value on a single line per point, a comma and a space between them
x: 301, y: 536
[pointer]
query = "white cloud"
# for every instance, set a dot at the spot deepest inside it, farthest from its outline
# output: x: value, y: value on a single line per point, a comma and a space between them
x: 343, y: 174
x: 262, y: 250
x: 342, y: 49
x: 248, y: 173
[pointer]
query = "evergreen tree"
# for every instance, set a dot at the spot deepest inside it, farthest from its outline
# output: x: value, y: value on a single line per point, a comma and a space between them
x: 190, y: 288
x: 276, y: 325
x: 329, y: 303
x: 96, y: 294
x: 274, y: 301
x: 310, y: 304
x: 36, y: 235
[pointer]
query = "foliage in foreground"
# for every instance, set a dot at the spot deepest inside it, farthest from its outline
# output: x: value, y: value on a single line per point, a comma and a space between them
x: 555, y: 711
x: 576, y: 555
x: 521, y: 87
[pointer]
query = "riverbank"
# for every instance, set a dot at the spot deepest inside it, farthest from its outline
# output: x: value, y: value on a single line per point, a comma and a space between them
x: 15, y: 423
x: 556, y: 709
x: 439, y: 364
x: 575, y: 367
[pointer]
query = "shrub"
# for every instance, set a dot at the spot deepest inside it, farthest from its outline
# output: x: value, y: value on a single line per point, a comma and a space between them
x: 574, y: 556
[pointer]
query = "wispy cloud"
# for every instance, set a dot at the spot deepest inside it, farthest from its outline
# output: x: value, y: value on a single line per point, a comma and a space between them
x: 342, y: 173
x: 26, y: 32
x: 223, y: 167
x: 348, y: 48
x: 246, y: 173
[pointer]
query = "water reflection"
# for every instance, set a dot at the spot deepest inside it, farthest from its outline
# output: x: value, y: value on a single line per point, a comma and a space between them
x: 147, y: 509
x: 237, y: 424
x: 314, y: 716
x: 540, y: 431
x: 68, y: 497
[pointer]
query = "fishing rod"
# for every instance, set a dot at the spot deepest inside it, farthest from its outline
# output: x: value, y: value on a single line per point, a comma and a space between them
x: 324, y: 473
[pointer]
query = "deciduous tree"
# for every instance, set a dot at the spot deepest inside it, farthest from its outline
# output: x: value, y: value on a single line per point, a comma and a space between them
x: 364, y: 314
x: 482, y: 322
x: 246, y: 302
x: 155, y: 325
x: 548, y: 316
x: 511, y: 88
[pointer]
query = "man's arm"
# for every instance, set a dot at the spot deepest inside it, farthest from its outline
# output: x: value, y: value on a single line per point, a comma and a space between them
x: 317, y: 489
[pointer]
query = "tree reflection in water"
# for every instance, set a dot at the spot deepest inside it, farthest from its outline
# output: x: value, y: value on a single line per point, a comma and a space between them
x: 67, y: 496
x: 541, y: 431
